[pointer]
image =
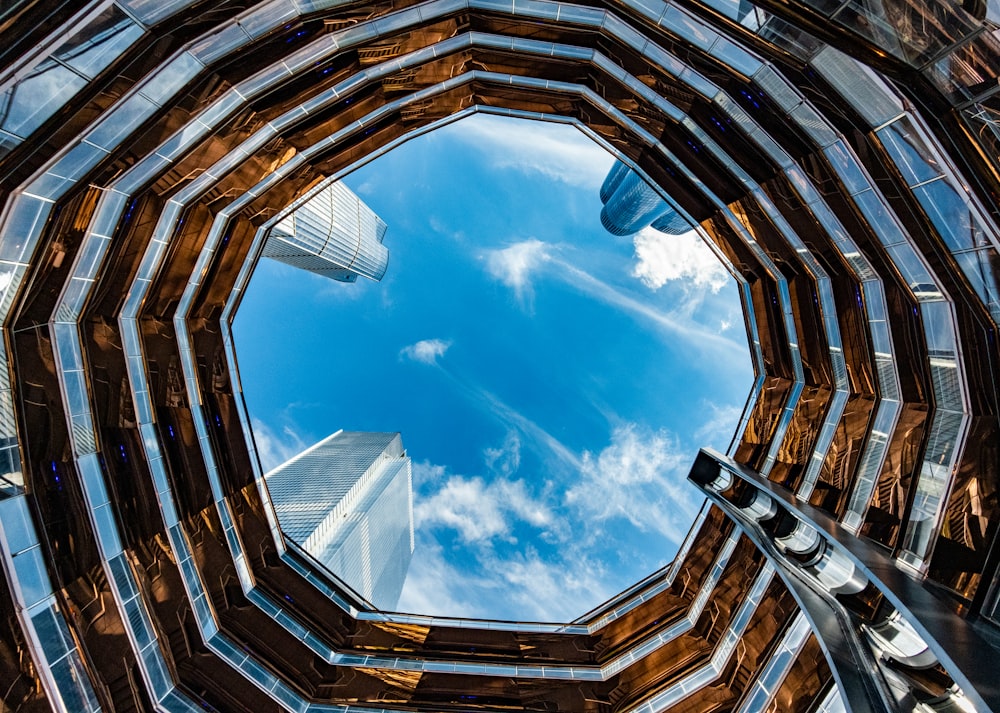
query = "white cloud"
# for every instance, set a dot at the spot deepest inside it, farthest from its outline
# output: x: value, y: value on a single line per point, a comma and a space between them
x: 529, y: 428
x: 365, y: 189
x: 506, y: 459
x: 426, y: 351
x: 689, y: 260
x: 275, y: 448
x: 464, y: 505
x: 546, y: 590
x: 480, y: 511
x: 435, y: 586
x: 524, y: 585
x: 633, y: 457
x: 515, y: 264
x: 542, y: 439
x: 553, y: 150
x: 663, y: 258
x: 426, y: 472
x: 717, y: 430
x: 326, y: 290
x: 639, y: 477
x: 690, y: 332
x: 523, y: 505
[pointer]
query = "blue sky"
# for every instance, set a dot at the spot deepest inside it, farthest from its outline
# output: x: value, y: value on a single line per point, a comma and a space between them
x: 552, y: 382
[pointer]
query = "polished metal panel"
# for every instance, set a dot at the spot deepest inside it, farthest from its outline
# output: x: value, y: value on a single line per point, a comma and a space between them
x: 860, y: 224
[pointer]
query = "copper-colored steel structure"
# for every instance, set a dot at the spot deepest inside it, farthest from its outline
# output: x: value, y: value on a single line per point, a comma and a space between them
x: 842, y: 157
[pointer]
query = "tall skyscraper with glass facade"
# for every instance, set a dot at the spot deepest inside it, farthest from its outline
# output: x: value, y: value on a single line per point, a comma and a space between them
x: 348, y: 502
x: 631, y: 204
x: 333, y: 234
x: 844, y: 158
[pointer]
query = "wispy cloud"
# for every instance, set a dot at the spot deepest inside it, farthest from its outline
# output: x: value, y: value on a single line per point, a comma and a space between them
x: 327, y: 290
x: 525, y: 585
x: 436, y: 586
x: 524, y: 556
x: 689, y: 331
x: 496, y: 575
x: 530, y: 429
x: 543, y: 441
x: 515, y: 265
x: 274, y: 448
x: 506, y: 459
x: 425, y: 472
x: 426, y: 351
x: 638, y: 477
x: 717, y: 430
x: 570, y: 157
x: 478, y: 510
x: 550, y: 590
x: 665, y: 258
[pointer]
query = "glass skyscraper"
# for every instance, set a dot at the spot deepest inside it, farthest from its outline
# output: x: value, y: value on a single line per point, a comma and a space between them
x: 631, y: 204
x: 348, y: 502
x: 844, y: 159
x: 333, y: 234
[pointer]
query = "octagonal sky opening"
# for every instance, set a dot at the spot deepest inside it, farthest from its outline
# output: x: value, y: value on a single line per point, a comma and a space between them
x: 552, y: 382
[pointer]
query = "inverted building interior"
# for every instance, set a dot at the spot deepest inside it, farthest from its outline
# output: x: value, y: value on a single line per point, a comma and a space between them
x: 842, y: 157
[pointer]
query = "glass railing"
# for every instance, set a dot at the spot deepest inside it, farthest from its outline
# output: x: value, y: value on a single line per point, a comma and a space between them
x: 154, y: 254
x: 158, y: 248
x: 31, y: 206
x: 765, y: 686
x: 144, y: 410
x: 845, y: 566
x: 966, y: 231
x: 51, y: 646
x: 705, y: 675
